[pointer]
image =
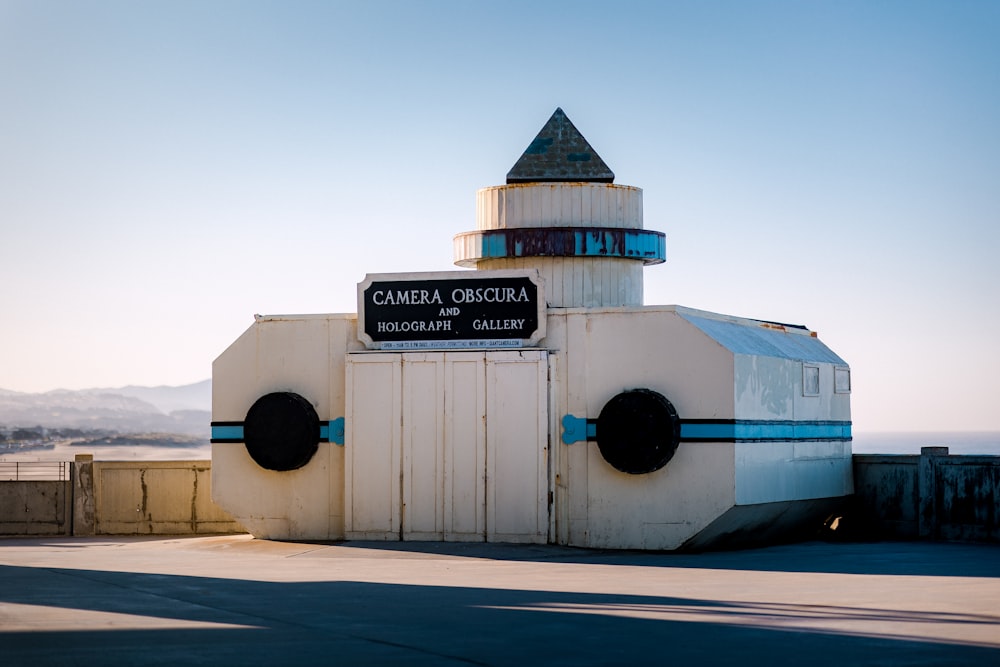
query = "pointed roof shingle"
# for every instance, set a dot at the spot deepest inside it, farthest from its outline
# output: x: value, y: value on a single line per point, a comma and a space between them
x: 560, y: 153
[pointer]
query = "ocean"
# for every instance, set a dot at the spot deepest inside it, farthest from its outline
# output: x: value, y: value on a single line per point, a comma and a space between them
x: 903, y: 442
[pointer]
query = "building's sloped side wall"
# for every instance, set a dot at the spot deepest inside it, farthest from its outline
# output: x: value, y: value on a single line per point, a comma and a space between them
x: 769, y: 389
x: 599, y: 354
x: 768, y: 472
x: 300, y: 354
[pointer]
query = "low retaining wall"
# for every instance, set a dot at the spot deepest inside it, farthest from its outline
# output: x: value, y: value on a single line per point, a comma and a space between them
x: 147, y: 498
x: 117, y: 498
x: 35, y: 507
x: 930, y: 496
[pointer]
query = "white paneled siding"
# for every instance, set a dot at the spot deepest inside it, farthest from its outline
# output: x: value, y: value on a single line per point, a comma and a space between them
x: 571, y: 282
x: 559, y: 205
x: 581, y: 282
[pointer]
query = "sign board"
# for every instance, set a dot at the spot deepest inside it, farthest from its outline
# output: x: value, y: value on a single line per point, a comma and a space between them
x: 451, y: 310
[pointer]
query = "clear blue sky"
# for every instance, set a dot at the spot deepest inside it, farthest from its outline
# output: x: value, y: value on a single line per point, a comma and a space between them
x: 169, y: 169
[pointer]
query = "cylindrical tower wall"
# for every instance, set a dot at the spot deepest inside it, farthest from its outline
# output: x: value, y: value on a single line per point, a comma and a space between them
x: 581, y: 282
x: 559, y: 205
x: 571, y: 282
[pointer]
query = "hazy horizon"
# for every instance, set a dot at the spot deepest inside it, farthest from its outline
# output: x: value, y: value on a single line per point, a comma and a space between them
x: 127, y: 386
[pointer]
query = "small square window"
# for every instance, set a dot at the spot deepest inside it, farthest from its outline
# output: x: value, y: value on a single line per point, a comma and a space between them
x: 842, y: 380
x: 810, y: 380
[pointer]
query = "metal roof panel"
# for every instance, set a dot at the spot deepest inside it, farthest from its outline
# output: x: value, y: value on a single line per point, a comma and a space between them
x: 768, y: 339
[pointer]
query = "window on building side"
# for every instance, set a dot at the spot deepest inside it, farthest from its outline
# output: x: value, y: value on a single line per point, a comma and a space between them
x: 810, y: 380
x: 842, y: 380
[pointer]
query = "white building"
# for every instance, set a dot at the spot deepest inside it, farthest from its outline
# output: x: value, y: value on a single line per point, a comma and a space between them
x: 535, y: 399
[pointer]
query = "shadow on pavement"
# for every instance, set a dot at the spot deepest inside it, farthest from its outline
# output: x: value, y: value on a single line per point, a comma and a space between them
x: 939, y: 559
x: 346, y: 622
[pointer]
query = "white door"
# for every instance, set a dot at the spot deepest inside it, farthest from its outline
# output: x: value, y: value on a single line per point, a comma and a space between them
x: 372, y: 449
x: 517, y: 485
x: 453, y: 444
x: 444, y: 446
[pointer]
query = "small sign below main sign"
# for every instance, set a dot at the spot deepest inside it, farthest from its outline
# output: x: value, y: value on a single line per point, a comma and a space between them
x: 451, y: 310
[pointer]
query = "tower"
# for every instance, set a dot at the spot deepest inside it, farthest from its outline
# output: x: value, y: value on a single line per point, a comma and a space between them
x: 561, y: 213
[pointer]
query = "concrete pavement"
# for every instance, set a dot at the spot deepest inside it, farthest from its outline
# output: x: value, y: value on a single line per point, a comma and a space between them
x: 233, y: 600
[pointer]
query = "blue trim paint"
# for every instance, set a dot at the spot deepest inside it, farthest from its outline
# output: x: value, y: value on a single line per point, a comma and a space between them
x: 740, y: 430
x: 645, y: 245
x: 230, y: 432
x: 579, y: 429
x: 227, y: 432
x: 494, y: 246
x: 336, y: 431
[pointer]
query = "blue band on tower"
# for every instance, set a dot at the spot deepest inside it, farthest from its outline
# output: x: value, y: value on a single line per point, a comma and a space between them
x: 647, y: 246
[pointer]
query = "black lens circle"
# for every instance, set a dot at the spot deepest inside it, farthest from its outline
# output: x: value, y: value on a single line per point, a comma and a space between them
x: 281, y: 431
x: 638, y: 431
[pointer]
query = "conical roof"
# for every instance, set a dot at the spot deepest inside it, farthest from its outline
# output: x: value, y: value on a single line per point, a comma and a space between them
x: 560, y: 153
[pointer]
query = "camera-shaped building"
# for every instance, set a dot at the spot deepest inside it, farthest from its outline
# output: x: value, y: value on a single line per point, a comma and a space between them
x: 534, y: 399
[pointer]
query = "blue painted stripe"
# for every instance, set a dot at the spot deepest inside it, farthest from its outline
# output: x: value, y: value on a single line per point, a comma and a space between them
x: 329, y: 431
x: 645, y: 245
x: 708, y: 431
x: 764, y: 430
x: 579, y: 429
x: 227, y: 432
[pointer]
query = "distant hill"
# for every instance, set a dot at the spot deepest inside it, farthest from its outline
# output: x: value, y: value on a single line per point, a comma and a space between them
x: 181, y: 410
x: 197, y: 396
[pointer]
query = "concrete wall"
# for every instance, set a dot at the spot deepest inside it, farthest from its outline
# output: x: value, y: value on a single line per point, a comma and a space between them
x: 156, y: 498
x: 934, y: 496
x: 35, y: 508
x: 931, y: 496
x: 115, y: 498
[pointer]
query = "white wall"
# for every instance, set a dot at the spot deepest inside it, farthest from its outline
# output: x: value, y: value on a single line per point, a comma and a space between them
x: 602, y: 353
x: 776, y: 471
x: 301, y: 354
x: 771, y: 388
x: 419, y: 463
